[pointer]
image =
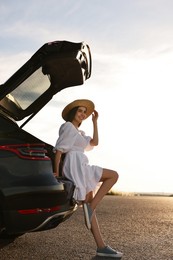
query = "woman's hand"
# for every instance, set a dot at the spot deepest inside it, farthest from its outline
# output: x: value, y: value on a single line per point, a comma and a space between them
x: 95, y: 116
x: 56, y: 174
x: 94, y: 141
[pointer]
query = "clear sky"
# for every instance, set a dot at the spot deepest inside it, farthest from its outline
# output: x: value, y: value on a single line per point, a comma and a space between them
x: 131, y: 84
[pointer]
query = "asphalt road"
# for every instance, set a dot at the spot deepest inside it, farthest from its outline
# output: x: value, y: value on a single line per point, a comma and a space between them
x: 140, y: 227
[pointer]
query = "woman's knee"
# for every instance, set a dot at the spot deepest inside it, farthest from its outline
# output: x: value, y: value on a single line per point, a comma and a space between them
x: 116, y: 175
x: 110, y: 174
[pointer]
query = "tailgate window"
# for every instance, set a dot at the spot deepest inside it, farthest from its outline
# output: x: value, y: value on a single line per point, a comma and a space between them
x: 30, y: 89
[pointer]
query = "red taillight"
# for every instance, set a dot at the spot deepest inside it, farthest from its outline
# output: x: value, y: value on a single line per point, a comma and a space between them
x: 27, y: 151
x: 38, y: 210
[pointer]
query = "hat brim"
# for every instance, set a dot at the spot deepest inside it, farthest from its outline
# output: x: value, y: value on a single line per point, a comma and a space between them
x: 79, y: 103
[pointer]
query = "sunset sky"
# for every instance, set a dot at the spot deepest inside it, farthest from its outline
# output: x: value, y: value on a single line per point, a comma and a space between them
x: 131, y: 84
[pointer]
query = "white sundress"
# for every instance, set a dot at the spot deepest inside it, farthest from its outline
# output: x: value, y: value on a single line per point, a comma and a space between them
x: 75, y: 167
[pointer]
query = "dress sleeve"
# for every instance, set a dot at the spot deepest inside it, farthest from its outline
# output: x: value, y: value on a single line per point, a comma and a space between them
x: 88, y: 139
x: 67, y: 136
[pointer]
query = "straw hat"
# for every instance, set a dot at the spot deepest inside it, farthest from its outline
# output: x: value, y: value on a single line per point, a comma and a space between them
x: 78, y: 103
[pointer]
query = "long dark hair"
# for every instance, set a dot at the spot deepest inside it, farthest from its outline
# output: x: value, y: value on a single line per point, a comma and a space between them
x: 71, y: 114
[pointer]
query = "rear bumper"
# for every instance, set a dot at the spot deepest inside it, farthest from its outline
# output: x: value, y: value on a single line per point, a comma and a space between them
x: 28, y: 209
x: 35, y: 208
x: 16, y: 223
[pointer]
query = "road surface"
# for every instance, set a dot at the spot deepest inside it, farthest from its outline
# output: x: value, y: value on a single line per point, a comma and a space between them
x: 140, y: 227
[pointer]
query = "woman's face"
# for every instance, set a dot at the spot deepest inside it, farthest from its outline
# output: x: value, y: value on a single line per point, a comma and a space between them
x: 80, y: 115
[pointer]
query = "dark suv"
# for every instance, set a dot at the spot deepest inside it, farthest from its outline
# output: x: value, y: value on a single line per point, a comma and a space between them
x: 31, y: 198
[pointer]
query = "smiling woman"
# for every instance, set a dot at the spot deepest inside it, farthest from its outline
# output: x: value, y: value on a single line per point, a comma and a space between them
x: 71, y: 144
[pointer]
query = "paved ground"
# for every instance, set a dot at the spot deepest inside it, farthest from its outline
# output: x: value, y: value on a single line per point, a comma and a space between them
x: 140, y: 227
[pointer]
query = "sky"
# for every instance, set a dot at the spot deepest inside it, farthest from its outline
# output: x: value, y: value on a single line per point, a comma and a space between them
x: 131, y: 43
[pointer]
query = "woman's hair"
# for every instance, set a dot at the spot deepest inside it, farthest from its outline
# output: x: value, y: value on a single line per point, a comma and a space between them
x: 71, y: 114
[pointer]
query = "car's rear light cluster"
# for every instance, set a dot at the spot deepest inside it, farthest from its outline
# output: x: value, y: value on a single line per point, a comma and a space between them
x: 27, y: 151
x: 38, y: 210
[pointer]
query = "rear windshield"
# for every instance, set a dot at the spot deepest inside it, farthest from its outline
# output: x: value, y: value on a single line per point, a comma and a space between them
x: 30, y: 89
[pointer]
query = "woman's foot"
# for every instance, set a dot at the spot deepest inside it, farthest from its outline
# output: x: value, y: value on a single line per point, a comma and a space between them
x: 88, y: 212
x: 107, y: 251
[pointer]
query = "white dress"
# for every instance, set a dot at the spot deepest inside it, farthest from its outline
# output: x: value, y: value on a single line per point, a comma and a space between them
x: 75, y: 167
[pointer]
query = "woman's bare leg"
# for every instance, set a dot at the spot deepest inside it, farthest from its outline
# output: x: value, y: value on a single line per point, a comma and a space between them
x: 108, y: 179
x: 96, y: 232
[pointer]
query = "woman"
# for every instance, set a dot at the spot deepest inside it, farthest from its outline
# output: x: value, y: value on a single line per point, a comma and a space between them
x: 73, y: 142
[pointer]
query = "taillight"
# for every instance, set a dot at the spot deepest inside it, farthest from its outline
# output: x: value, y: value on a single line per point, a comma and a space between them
x: 27, y: 151
x: 38, y: 210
